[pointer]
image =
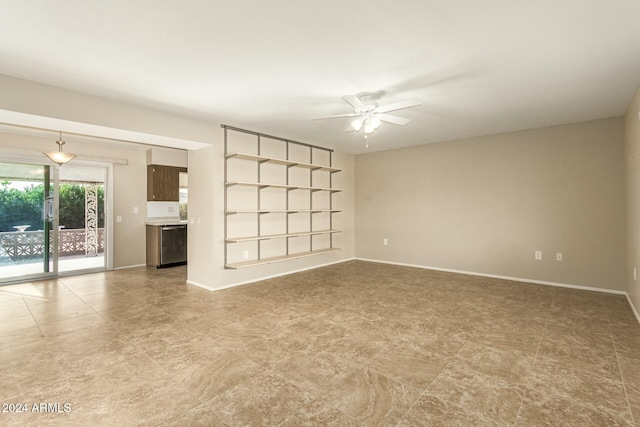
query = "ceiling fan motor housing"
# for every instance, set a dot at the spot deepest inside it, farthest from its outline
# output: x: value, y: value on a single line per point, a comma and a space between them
x: 368, y: 102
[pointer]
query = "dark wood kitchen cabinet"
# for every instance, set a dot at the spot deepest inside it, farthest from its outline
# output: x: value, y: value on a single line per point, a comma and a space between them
x: 163, y: 183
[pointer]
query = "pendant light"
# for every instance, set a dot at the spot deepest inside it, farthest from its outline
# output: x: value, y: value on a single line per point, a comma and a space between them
x: 58, y: 156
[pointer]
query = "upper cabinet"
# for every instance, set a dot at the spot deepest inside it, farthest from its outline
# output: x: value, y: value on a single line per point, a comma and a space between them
x: 163, y: 183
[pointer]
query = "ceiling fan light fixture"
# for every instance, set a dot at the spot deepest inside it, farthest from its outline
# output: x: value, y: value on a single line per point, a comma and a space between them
x: 357, y: 123
x: 58, y: 156
x: 368, y: 114
x: 368, y: 127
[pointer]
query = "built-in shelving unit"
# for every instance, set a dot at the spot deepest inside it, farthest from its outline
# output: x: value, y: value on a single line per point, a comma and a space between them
x: 278, y: 199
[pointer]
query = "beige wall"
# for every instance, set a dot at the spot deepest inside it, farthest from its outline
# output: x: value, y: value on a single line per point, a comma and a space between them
x: 203, y: 251
x: 486, y: 204
x: 632, y: 158
x: 27, y: 97
x: 167, y: 157
x: 129, y: 190
x: 206, y: 222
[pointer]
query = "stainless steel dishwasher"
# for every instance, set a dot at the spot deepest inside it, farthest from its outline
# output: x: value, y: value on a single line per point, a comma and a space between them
x: 173, y: 245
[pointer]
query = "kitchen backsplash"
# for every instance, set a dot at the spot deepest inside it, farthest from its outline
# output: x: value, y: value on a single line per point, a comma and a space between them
x: 163, y: 209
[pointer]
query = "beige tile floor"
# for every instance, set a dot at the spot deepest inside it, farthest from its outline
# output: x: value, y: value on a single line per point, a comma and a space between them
x: 347, y: 345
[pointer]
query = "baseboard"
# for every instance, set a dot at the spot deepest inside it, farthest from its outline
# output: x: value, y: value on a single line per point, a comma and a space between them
x: 129, y: 266
x: 200, y: 285
x: 233, y: 285
x: 494, y: 276
x: 633, y: 308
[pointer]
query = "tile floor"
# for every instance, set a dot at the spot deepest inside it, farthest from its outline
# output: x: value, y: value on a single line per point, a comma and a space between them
x: 354, y: 344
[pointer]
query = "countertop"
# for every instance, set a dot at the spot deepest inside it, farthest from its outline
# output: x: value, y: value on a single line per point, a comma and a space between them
x: 165, y: 221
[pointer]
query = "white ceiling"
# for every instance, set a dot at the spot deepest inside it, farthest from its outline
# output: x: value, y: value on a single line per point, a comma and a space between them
x: 480, y: 66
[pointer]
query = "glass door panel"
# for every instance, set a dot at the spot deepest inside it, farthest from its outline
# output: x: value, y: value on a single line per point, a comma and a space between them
x: 81, y: 229
x: 26, y: 221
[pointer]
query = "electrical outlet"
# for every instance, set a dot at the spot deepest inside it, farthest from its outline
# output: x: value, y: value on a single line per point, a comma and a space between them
x: 119, y: 218
x: 558, y: 256
x: 245, y: 255
x: 538, y: 255
x: 136, y: 210
x: 385, y: 242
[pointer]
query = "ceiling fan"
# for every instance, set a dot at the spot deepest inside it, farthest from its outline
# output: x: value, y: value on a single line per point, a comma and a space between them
x: 369, y: 115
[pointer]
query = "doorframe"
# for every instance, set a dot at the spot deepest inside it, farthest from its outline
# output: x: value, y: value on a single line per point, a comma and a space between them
x: 108, y: 213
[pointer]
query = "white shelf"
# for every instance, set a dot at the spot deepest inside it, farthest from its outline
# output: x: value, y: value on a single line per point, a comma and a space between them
x: 280, y: 236
x: 289, y: 187
x: 266, y: 211
x: 263, y: 261
x: 257, y: 158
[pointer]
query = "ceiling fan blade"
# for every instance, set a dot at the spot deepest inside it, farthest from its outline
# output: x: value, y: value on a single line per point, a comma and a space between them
x: 335, y: 116
x: 355, y: 102
x: 401, y: 121
x: 407, y: 103
x: 350, y: 129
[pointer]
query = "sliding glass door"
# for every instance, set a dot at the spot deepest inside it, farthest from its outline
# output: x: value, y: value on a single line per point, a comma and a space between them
x: 52, y: 220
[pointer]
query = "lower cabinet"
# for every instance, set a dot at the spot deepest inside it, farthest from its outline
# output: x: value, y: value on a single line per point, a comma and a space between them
x: 166, y: 245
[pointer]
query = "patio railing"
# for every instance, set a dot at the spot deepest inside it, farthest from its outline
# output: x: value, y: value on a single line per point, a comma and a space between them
x: 17, y: 245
